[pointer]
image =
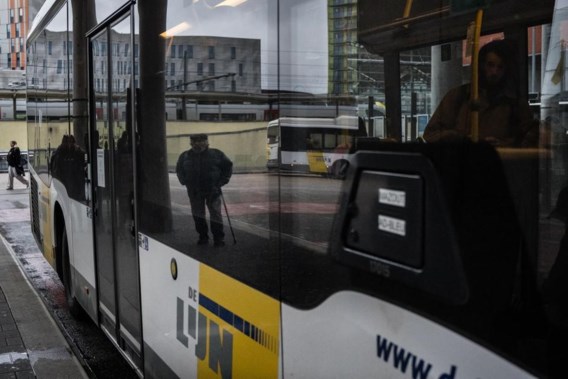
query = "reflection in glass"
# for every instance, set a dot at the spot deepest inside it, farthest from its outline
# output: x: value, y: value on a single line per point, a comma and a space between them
x: 49, y: 96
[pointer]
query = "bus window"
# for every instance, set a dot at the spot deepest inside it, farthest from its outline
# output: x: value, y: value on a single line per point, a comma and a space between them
x: 272, y: 134
x: 315, y: 141
x: 415, y: 81
x: 330, y: 140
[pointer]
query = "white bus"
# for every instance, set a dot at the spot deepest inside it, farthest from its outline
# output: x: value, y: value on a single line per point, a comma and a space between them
x: 426, y: 261
x: 311, y: 145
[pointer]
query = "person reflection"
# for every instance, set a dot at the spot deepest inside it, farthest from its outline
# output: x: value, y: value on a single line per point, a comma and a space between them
x: 58, y: 157
x: 68, y: 165
x: 15, y: 169
x: 204, y: 171
x: 505, y: 118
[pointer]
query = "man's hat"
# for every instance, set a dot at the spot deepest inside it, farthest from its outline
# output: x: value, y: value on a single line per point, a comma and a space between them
x: 198, y: 137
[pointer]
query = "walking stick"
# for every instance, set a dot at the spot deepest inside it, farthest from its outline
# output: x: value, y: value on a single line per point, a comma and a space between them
x: 228, y: 218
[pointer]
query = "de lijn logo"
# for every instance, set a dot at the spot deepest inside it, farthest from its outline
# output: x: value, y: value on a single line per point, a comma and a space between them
x: 212, y: 342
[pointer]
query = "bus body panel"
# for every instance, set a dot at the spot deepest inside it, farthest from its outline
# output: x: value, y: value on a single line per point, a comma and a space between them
x: 190, y: 314
x: 45, y: 239
x: 359, y: 336
x: 197, y: 326
x: 79, y: 232
x: 79, y: 228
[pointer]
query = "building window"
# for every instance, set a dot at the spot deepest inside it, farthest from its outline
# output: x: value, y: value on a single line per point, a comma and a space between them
x: 212, y: 85
x: 8, y: 31
x: 21, y: 14
x: 211, y: 52
x: 126, y: 48
x: 173, y: 51
x: 211, y: 69
x: 50, y: 47
x: 233, y: 52
x: 59, y: 66
x: 240, y: 69
x: 233, y: 85
x: 200, y: 69
x: 12, y: 16
x: 189, y: 50
x: 172, y: 69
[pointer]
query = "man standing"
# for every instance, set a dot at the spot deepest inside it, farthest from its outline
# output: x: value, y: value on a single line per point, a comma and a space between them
x: 204, y: 171
x: 15, y: 169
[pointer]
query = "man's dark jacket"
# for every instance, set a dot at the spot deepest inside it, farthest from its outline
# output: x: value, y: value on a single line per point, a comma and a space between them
x: 14, y: 156
x: 206, y: 171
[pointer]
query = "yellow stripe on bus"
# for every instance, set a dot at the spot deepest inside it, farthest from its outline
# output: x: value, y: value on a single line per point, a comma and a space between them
x: 242, y: 329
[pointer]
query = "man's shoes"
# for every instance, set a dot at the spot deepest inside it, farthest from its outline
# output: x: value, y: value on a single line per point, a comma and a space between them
x: 9, y: 188
x: 203, y: 241
x: 219, y: 243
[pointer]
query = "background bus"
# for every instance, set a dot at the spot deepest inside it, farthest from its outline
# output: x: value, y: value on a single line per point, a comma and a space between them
x: 311, y: 145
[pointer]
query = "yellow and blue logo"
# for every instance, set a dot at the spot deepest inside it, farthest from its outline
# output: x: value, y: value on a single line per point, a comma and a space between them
x: 235, y: 333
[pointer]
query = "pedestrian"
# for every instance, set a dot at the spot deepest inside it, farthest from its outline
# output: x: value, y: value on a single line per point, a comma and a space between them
x: 204, y: 171
x: 505, y: 118
x: 15, y: 169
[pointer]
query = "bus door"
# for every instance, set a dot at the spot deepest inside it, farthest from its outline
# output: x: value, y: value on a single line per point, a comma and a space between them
x: 111, y: 132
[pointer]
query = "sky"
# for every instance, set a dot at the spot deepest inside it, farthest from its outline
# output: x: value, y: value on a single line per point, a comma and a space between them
x: 303, y: 36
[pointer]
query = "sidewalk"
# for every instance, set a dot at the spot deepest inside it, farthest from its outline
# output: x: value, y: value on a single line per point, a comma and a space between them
x: 31, y: 344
